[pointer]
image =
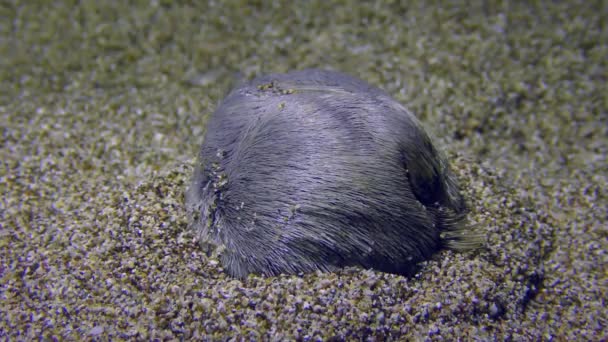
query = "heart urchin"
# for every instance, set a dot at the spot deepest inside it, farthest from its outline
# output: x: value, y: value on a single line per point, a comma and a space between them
x: 316, y: 170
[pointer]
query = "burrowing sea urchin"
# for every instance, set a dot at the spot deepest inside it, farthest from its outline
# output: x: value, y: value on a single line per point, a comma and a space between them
x: 316, y: 170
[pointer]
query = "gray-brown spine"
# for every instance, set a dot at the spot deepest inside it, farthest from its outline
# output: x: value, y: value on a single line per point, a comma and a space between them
x: 316, y: 170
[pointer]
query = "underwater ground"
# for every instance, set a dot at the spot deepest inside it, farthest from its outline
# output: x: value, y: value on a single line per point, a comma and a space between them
x: 103, y: 108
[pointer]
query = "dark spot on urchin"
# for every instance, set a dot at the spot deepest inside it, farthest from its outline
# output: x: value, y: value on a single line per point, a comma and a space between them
x: 332, y: 172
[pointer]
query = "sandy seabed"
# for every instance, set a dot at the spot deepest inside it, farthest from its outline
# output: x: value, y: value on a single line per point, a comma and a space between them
x: 103, y: 107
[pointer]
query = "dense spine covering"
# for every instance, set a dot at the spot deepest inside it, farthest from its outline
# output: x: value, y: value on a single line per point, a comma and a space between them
x: 316, y: 170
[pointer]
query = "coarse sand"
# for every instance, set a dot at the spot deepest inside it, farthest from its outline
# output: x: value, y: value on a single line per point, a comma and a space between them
x: 103, y: 108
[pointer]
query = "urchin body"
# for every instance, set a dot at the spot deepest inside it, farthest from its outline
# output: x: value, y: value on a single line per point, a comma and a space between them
x: 317, y: 170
